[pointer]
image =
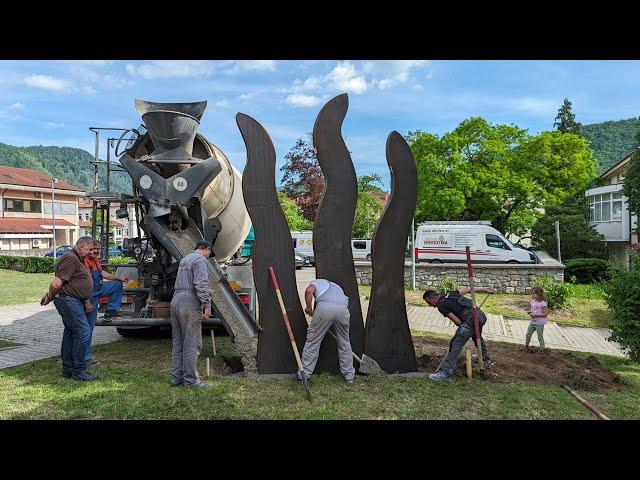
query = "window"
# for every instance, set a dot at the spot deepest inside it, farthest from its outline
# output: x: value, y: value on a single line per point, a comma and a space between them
x: 61, y: 208
x: 605, y: 207
x: 118, y: 232
x: 26, y: 206
x: 495, y: 241
x: 360, y: 245
x: 87, y: 216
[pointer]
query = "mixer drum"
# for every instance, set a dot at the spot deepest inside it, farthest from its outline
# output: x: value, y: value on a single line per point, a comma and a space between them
x: 222, y: 198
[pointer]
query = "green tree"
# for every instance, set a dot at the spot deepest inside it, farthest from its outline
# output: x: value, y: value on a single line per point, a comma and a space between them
x: 631, y: 185
x: 369, y: 207
x: 498, y: 173
x: 578, y: 239
x: 291, y: 212
x: 566, y: 120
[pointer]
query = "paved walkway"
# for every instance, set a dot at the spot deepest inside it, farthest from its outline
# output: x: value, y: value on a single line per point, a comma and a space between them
x: 39, y: 330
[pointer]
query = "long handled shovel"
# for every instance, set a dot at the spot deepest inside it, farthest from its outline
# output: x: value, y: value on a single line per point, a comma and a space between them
x: 476, y: 323
x: 290, y: 332
x: 367, y: 364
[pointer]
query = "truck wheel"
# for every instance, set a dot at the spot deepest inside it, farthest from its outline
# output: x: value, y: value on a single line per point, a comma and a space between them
x: 369, y: 258
x: 513, y: 261
x: 436, y: 260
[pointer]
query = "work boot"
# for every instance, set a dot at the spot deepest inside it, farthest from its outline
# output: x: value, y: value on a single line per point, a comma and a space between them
x: 349, y: 381
x: 112, y: 314
x: 86, y: 376
x: 66, y: 374
x: 199, y: 385
x: 93, y: 362
x: 487, y: 363
x: 177, y: 384
x: 439, y: 377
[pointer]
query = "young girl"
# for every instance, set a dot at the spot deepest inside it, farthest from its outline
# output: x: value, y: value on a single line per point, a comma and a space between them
x: 539, y: 312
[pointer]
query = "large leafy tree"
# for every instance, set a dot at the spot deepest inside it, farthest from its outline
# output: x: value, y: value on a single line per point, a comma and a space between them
x: 498, y: 173
x: 566, y: 120
x: 369, y: 206
x: 291, y: 212
x: 578, y: 239
x: 303, y: 181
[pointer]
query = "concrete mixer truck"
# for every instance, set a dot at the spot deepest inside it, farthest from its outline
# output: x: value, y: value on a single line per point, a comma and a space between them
x: 184, y: 190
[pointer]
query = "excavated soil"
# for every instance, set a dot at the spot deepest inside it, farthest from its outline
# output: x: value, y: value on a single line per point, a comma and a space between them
x: 512, y: 364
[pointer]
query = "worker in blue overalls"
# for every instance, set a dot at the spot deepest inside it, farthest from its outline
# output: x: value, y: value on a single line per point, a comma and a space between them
x: 112, y: 289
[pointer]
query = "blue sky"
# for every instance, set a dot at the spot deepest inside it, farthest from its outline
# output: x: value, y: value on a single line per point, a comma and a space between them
x: 55, y: 102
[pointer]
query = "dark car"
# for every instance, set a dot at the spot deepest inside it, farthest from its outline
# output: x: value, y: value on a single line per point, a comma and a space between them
x: 302, y: 260
x: 60, y: 251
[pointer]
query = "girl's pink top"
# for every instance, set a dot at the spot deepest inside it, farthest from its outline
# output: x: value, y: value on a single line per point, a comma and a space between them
x: 536, y: 308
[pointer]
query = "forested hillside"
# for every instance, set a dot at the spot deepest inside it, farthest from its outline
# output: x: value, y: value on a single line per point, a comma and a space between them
x: 612, y: 140
x: 69, y: 164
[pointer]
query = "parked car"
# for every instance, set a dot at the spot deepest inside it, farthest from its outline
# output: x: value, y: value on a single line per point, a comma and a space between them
x: 302, y: 260
x: 303, y: 243
x: 60, y: 251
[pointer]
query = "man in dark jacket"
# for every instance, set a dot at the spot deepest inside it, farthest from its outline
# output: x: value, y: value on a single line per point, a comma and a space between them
x: 459, y: 309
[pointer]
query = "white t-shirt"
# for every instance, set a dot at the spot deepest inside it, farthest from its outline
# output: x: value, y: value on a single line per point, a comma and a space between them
x: 321, y: 285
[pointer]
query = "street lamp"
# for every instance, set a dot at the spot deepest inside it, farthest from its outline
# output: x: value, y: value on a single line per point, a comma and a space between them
x: 53, y: 215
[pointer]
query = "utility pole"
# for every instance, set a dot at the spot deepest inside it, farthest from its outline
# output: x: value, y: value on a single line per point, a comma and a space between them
x: 558, y: 240
x: 53, y: 215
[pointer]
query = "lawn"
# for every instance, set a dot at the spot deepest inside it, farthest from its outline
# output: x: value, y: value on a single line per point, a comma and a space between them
x: 6, y: 343
x: 586, y: 306
x: 17, y: 287
x: 135, y: 385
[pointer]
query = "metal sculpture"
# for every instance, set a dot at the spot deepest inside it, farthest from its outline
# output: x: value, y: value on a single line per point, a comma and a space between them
x: 388, y: 338
x: 334, y: 222
x: 273, y: 247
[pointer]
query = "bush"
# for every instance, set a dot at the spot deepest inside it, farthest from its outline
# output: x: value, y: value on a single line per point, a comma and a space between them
x: 557, y: 293
x: 27, y: 264
x: 588, y: 270
x: 446, y: 285
x: 623, y: 298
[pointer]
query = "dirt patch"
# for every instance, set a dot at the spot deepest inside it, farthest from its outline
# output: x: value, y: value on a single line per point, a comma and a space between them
x: 512, y: 364
x: 232, y: 365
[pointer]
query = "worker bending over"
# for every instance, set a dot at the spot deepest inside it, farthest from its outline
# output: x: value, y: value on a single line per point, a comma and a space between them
x: 331, y: 309
x: 459, y: 310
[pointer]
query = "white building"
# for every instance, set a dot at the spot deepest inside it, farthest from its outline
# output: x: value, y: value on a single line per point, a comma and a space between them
x: 121, y: 228
x: 610, y: 215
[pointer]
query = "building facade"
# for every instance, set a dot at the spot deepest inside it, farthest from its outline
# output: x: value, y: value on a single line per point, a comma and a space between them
x: 610, y: 215
x: 121, y: 228
x: 26, y: 210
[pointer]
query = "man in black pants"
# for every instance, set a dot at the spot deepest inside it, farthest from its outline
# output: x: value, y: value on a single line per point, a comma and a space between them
x: 459, y: 310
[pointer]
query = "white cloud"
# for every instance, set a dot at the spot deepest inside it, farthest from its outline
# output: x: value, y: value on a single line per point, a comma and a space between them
x: 417, y: 87
x: 429, y: 75
x: 172, y: 69
x: 252, y: 65
x: 49, y: 83
x: 112, y: 81
x: 17, y: 106
x: 222, y: 103
x: 302, y: 100
x: 533, y: 105
x: 245, y: 97
x: 53, y: 125
x: 89, y: 90
x: 344, y: 77
x: 388, y: 73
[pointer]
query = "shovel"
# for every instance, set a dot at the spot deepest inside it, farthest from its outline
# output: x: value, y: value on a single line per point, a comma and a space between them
x: 367, y: 364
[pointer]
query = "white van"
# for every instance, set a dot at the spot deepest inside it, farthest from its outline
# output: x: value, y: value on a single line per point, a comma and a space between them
x: 361, y: 249
x: 446, y: 242
x: 303, y: 243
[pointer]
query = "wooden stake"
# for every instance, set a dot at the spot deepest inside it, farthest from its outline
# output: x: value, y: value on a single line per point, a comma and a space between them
x: 469, y: 367
x: 213, y: 343
x: 208, y: 370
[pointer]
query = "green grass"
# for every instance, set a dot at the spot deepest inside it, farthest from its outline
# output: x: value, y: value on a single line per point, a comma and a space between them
x: 135, y: 385
x: 17, y: 287
x: 6, y: 343
x: 586, y: 306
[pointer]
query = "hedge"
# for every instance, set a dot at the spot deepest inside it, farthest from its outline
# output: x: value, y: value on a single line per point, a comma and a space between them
x: 27, y: 264
x: 587, y: 270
